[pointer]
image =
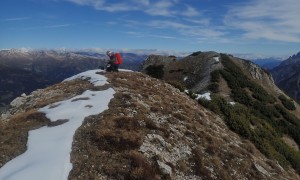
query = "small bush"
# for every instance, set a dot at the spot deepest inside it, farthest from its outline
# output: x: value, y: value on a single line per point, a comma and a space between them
x: 195, y: 53
x: 141, y: 168
x: 178, y: 85
x: 213, y: 87
x: 156, y: 71
x: 287, y: 103
x: 215, y: 76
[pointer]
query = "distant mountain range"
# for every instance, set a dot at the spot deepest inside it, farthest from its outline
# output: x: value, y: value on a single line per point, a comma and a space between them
x: 15, y: 81
x: 287, y: 76
x: 24, y: 70
x: 266, y: 62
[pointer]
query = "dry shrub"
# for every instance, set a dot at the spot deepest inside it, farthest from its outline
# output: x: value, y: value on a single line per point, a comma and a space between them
x: 200, y: 168
x: 249, y: 147
x: 212, y: 149
x: 121, y: 133
x: 141, y: 168
x: 183, y: 166
x: 220, y: 171
x: 180, y: 116
x: 153, y: 126
x: 155, y: 108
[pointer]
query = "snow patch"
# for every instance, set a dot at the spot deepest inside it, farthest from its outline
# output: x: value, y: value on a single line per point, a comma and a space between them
x: 49, y: 148
x: 185, y: 78
x: 203, y: 96
x: 232, y: 103
x: 217, y: 59
x: 96, y: 79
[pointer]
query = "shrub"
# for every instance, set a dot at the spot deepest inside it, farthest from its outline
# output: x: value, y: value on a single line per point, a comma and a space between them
x: 177, y: 84
x: 215, y: 76
x: 195, y: 53
x: 213, y: 87
x: 287, y: 103
x: 155, y: 71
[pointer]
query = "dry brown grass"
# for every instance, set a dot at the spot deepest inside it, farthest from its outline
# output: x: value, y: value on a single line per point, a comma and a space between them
x: 14, y: 133
x: 119, y: 134
x: 63, y: 91
x: 111, y: 140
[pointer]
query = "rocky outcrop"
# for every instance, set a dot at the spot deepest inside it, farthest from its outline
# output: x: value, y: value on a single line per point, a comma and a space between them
x: 156, y: 60
x: 193, y: 71
x: 256, y: 73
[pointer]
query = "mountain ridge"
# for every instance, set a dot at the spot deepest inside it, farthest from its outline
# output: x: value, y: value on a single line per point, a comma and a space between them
x: 151, y: 132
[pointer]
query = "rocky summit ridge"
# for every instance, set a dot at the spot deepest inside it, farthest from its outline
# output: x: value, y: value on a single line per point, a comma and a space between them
x: 150, y: 131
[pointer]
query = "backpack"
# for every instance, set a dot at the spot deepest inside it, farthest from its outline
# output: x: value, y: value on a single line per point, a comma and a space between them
x: 118, y: 58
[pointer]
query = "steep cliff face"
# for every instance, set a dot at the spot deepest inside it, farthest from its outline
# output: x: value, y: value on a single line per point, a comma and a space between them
x: 150, y: 131
x: 287, y: 76
x: 256, y: 73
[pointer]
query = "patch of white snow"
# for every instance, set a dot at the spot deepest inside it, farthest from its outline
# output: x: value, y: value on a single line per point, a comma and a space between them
x: 49, y: 148
x: 96, y: 79
x: 217, y: 59
x: 204, y: 96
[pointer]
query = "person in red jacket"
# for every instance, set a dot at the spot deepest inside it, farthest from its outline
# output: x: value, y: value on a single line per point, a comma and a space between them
x: 115, y: 60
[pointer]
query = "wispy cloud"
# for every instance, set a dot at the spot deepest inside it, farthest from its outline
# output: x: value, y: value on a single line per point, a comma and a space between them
x: 161, y: 8
x: 57, y: 26
x: 16, y: 19
x: 190, y: 11
x: 274, y: 20
x: 154, y: 8
x: 144, y: 34
x: 187, y: 29
x: 49, y: 26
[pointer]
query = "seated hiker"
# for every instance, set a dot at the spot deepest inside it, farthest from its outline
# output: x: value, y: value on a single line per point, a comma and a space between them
x: 115, y: 60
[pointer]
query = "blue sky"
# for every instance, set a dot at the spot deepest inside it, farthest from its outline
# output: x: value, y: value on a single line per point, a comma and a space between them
x: 270, y: 27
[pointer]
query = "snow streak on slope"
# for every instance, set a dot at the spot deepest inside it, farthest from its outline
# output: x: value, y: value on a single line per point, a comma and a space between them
x: 48, y: 148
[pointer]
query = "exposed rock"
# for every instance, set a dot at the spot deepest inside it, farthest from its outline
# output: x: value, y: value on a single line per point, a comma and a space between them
x: 166, y: 170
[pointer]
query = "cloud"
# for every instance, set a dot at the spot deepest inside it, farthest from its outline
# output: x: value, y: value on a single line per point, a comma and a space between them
x: 190, y: 12
x: 274, y: 20
x: 187, y: 29
x: 57, y: 26
x: 161, y: 8
x: 49, y: 26
x: 16, y: 19
x: 143, y: 34
x: 166, y: 8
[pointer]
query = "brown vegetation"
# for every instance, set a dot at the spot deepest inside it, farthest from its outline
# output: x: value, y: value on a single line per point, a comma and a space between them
x: 14, y: 133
